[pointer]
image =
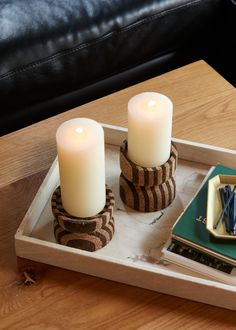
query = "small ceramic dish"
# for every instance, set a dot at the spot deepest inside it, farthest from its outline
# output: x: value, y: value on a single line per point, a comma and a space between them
x: 214, y: 207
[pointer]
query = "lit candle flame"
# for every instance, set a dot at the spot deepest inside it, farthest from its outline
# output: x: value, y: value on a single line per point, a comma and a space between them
x: 151, y: 103
x: 79, y: 130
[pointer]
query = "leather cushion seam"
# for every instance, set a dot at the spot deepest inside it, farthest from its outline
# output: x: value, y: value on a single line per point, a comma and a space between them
x: 133, y: 26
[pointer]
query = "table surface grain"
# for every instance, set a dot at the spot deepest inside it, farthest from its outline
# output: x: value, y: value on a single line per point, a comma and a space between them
x: 204, y: 111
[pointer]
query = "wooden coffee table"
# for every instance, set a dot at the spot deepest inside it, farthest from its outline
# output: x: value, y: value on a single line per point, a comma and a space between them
x: 204, y: 111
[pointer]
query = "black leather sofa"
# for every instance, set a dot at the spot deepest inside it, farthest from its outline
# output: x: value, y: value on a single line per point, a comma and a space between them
x: 57, y: 54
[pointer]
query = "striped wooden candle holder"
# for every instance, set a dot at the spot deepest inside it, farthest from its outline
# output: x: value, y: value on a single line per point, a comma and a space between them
x: 92, y: 241
x: 88, y: 234
x: 147, y: 189
x: 147, y: 199
x: 147, y: 176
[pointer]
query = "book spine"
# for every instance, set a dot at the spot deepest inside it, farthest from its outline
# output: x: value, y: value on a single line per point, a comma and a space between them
x: 203, y: 250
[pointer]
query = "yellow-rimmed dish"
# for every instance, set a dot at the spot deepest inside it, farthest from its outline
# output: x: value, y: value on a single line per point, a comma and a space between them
x: 214, y: 207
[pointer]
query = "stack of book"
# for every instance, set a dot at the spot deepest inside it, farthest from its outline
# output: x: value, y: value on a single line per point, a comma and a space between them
x: 192, y: 246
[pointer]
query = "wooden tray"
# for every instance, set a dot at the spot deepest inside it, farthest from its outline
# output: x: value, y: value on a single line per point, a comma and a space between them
x: 132, y: 257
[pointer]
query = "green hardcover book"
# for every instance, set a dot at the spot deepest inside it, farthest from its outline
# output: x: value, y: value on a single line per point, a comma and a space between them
x: 190, y: 228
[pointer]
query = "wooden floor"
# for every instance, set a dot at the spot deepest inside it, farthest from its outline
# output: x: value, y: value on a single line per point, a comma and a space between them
x: 45, y: 297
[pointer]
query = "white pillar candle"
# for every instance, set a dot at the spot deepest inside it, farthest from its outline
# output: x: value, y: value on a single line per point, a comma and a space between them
x: 149, y: 129
x: 81, y: 157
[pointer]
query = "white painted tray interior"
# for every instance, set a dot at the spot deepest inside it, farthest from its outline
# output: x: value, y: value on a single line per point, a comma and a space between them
x: 138, y: 237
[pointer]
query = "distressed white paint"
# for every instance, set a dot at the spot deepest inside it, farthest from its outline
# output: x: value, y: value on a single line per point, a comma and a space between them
x: 132, y: 256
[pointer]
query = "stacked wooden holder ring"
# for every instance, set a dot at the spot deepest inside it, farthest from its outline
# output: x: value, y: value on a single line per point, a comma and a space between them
x: 147, y: 189
x: 88, y: 234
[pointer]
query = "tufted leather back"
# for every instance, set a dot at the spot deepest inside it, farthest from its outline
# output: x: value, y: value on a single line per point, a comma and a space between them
x: 49, y: 48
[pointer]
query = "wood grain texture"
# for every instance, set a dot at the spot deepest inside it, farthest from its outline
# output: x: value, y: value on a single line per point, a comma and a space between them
x: 204, y: 109
x: 202, y: 100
